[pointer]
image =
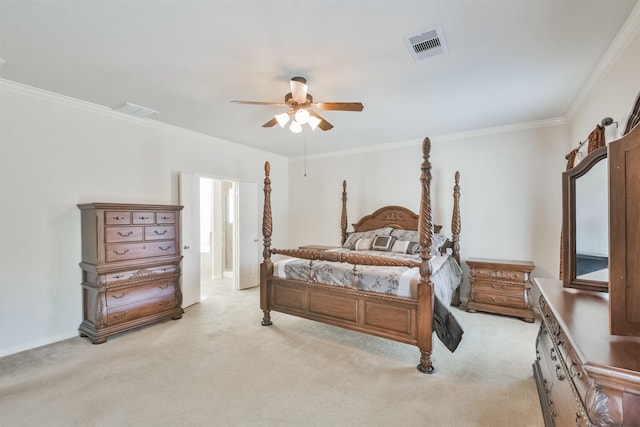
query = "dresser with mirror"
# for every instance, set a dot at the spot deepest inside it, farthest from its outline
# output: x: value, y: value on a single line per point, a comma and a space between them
x: 587, y: 366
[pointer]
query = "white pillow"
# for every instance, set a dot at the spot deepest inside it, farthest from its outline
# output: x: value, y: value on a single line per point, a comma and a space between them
x: 400, y: 246
x: 363, y: 244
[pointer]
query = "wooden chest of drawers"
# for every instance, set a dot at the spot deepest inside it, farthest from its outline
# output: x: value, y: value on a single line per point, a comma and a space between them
x: 501, y: 286
x: 584, y: 375
x: 130, y: 267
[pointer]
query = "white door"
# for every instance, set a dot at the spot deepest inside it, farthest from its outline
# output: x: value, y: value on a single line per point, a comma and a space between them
x: 190, y: 238
x: 247, y: 245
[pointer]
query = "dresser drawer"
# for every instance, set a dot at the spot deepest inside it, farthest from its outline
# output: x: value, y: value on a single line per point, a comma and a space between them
x: 123, y: 234
x: 123, y: 296
x: 129, y: 312
x: 161, y: 232
x: 117, y: 218
x: 499, y: 299
x: 165, y: 218
x: 516, y: 276
x: 143, y: 218
x: 126, y: 251
x: 119, y: 276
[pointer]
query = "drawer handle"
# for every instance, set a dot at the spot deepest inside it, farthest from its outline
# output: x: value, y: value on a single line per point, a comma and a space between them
x: 498, y: 300
x: 118, y: 276
x: 118, y: 253
x: 125, y: 235
x: 120, y: 315
x: 494, y: 286
x: 160, y: 234
x: 164, y: 249
x: 165, y: 217
x: 553, y: 354
x: 559, y: 373
x: 119, y: 218
x: 165, y: 286
x: 142, y: 218
x: 118, y: 297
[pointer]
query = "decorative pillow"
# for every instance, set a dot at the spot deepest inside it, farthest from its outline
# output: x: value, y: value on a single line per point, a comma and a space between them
x: 413, y: 248
x: 363, y: 244
x: 406, y: 247
x: 383, y: 243
x: 406, y: 235
x: 439, y: 239
x: 400, y: 246
x: 353, y: 237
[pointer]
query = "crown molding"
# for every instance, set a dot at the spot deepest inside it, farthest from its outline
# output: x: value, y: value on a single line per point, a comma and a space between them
x: 629, y: 30
x: 514, y: 127
x: 33, y: 92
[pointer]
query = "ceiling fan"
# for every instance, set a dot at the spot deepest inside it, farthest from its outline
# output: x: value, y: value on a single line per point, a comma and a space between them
x: 300, y: 108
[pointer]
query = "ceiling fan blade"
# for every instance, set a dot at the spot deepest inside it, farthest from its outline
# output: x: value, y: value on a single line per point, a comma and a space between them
x: 270, y: 123
x: 275, y: 104
x: 342, y: 106
x: 299, y: 89
x: 324, y: 125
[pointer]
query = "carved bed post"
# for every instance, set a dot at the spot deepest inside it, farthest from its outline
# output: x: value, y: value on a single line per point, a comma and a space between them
x: 266, y: 268
x: 455, y: 219
x: 425, y: 287
x: 343, y: 218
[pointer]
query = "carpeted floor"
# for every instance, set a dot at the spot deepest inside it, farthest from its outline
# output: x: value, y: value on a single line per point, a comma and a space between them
x: 218, y: 367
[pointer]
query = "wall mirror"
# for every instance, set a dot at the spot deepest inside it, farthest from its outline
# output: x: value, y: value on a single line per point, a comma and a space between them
x: 585, y: 206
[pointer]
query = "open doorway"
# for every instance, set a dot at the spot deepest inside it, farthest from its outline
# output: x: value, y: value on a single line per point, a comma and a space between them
x: 217, y: 235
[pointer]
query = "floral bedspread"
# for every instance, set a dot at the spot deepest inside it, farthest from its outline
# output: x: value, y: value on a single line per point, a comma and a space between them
x: 400, y: 281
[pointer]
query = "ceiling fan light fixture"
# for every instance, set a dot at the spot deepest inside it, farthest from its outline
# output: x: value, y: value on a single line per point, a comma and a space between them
x: 314, y: 122
x: 295, y: 127
x: 302, y: 116
x: 282, y: 119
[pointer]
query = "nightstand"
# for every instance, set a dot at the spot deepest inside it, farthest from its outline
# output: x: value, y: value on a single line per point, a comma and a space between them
x: 501, y: 286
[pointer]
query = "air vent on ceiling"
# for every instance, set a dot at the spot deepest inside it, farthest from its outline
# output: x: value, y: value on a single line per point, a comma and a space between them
x: 135, y: 110
x: 426, y: 44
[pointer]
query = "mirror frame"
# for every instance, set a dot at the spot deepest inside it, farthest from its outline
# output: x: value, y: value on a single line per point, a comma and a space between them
x: 569, y: 177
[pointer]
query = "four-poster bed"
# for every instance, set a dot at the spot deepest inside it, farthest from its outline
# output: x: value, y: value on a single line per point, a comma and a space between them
x: 364, y: 304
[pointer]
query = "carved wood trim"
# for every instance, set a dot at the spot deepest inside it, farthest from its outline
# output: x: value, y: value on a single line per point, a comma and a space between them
x: 388, y: 216
x: 345, y: 257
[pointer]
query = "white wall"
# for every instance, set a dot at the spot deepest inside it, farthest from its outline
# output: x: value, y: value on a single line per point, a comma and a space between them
x: 56, y: 152
x: 510, y: 190
x: 611, y: 93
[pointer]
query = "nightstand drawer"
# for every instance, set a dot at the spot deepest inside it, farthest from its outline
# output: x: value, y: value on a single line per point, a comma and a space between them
x: 499, y: 299
x: 502, y: 288
x: 490, y: 273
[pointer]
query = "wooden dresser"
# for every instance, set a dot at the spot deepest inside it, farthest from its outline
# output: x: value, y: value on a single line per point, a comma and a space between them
x: 501, y: 286
x: 585, y: 376
x: 130, y: 267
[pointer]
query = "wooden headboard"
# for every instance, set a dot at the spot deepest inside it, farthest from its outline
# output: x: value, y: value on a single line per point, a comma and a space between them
x: 390, y: 216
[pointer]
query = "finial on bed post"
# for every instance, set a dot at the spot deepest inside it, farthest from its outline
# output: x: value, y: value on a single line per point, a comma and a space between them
x: 455, y: 219
x: 267, y: 220
x: 343, y: 218
x: 425, y: 287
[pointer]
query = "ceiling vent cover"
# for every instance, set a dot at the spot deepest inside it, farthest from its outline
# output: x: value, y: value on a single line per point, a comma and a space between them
x: 426, y: 44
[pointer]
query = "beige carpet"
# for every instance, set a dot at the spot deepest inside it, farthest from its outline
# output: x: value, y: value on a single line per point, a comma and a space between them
x: 218, y: 367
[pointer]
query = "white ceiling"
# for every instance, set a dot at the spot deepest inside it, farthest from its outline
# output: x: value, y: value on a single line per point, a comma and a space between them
x: 509, y: 61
